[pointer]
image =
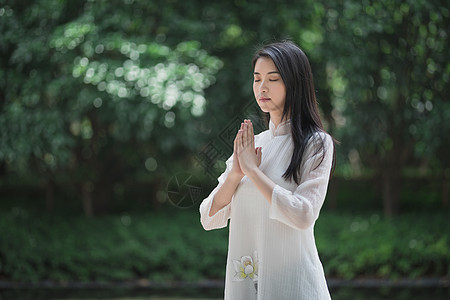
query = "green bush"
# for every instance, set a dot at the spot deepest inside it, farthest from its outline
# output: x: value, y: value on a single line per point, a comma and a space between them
x: 410, y: 245
x: 171, y: 245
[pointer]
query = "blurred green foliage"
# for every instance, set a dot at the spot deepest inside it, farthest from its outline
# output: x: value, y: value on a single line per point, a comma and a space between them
x: 158, y: 246
x: 412, y: 245
x: 91, y: 103
x: 390, y: 88
x: 102, y: 102
x: 168, y: 245
x: 98, y: 96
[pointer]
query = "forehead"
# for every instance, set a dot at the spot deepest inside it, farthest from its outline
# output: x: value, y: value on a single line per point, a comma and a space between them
x: 265, y: 65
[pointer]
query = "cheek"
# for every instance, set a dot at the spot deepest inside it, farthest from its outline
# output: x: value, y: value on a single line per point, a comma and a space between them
x: 283, y: 92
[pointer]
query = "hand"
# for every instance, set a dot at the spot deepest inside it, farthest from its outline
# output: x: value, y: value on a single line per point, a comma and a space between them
x: 236, y: 168
x: 249, y: 158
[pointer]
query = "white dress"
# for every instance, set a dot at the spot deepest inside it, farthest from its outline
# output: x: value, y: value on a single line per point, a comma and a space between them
x: 271, y: 251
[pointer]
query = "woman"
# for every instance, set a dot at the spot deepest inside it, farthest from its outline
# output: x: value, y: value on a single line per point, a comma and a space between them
x: 274, y: 186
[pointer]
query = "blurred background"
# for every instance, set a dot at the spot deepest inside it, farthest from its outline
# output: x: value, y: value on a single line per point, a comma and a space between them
x: 117, y: 117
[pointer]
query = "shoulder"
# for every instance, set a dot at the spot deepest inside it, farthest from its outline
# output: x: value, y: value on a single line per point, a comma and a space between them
x: 322, y: 137
x: 319, y: 142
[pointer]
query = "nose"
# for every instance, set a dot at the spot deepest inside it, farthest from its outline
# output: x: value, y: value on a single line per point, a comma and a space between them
x: 263, y: 88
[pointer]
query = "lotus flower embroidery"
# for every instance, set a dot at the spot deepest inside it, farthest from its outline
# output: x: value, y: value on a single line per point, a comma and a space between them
x: 246, y: 267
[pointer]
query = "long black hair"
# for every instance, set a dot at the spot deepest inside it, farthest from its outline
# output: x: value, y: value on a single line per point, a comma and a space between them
x: 300, y: 105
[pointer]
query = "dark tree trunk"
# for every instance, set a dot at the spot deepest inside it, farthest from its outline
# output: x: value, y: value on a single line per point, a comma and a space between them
x: 50, y: 195
x: 390, y: 191
x: 103, y: 196
x: 87, y: 201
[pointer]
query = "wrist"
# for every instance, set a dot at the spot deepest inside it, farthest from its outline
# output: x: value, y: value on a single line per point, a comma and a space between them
x: 251, y: 173
x: 234, y: 176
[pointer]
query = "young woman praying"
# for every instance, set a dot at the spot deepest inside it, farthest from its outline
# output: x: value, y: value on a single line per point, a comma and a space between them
x: 274, y: 186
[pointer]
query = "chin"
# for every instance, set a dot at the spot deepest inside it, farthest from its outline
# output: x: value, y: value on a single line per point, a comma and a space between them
x: 263, y: 108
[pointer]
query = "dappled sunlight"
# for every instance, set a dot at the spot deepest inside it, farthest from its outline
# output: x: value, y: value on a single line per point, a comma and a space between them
x: 104, y: 105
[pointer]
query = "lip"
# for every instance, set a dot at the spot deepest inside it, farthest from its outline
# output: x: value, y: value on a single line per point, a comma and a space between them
x: 264, y: 99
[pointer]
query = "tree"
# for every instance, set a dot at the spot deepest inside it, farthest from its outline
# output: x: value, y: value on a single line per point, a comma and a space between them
x: 389, y: 73
x: 99, y: 96
x: 95, y: 103
x: 83, y: 60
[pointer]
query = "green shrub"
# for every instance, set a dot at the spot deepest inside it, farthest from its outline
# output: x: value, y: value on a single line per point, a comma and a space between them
x: 411, y: 245
x: 171, y: 245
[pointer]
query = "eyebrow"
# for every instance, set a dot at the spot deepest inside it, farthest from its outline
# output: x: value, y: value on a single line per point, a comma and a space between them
x: 272, y: 72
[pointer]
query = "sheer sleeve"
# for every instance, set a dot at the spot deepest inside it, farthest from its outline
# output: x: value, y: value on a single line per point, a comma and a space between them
x: 300, y: 209
x: 220, y: 218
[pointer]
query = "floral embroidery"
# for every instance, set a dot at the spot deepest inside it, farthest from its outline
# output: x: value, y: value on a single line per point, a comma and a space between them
x: 247, y: 267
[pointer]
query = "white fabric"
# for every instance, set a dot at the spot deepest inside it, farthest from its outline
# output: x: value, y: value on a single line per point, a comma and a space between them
x: 271, y: 251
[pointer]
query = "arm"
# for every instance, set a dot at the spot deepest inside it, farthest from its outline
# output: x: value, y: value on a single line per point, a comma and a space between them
x: 264, y: 184
x: 250, y: 160
x: 216, y: 209
x: 225, y: 193
x: 215, y: 214
x: 300, y: 209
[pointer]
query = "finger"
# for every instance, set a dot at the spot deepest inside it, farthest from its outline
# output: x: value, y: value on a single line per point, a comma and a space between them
x: 252, y: 135
x: 235, y: 143
x: 259, y: 155
x: 240, y: 141
x: 239, y: 137
x: 249, y: 136
x: 236, y: 139
x: 245, y: 135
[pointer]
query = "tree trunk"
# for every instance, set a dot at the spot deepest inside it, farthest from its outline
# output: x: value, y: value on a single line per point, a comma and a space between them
x: 390, y: 187
x: 50, y: 195
x: 86, y: 194
x: 103, y: 198
x: 155, y: 187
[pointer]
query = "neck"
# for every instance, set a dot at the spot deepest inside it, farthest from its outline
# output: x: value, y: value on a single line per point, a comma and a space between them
x: 276, y: 120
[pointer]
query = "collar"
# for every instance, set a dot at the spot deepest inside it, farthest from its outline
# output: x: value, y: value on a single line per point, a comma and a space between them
x: 282, y: 129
